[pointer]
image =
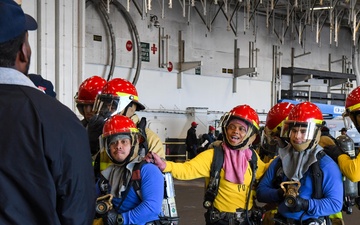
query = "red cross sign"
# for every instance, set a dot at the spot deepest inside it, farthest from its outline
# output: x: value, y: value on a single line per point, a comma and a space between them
x: 153, y: 48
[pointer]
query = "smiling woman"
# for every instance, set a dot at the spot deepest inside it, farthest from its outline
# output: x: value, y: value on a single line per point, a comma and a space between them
x: 228, y: 169
x: 240, y: 127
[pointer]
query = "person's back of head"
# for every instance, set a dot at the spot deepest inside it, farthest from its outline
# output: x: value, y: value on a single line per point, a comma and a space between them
x: 43, y: 84
x: 14, y: 24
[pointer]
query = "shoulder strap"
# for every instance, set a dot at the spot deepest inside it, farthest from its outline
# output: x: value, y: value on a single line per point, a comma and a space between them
x: 136, y: 178
x: 213, y: 186
x: 253, y: 162
x: 317, y: 176
x: 253, y: 166
x: 218, y: 160
x: 97, y: 165
x: 279, y: 173
x: 142, y: 126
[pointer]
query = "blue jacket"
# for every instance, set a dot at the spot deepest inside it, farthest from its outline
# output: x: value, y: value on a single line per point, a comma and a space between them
x: 140, y: 211
x: 332, y: 187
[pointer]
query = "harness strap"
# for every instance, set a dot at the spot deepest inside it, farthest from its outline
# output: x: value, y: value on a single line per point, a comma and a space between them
x: 213, y: 186
x: 136, y: 178
x: 317, y: 176
x: 214, y: 183
x: 142, y: 126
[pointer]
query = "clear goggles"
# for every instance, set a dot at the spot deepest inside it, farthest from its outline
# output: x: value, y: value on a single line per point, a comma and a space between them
x: 303, y: 130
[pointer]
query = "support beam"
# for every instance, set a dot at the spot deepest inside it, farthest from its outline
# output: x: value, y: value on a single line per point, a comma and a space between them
x: 183, y: 66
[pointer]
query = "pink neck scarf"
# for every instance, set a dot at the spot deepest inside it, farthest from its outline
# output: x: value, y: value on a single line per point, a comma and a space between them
x: 235, y: 164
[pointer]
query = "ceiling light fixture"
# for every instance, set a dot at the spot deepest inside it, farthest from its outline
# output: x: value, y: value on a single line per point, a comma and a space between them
x: 322, y: 8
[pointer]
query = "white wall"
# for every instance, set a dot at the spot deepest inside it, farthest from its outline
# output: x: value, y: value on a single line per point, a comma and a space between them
x: 65, y: 53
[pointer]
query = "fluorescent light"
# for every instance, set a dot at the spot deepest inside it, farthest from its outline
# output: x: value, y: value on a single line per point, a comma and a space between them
x: 322, y: 8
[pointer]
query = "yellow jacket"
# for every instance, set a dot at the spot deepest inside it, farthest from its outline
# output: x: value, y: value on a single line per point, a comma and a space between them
x: 350, y: 167
x: 230, y: 196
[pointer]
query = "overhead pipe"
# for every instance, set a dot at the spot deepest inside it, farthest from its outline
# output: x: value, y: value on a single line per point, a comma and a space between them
x: 355, y: 27
x: 337, y: 25
x: 133, y: 29
x: 355, y: 60
x: 100, y: 7
x: 135, y: 33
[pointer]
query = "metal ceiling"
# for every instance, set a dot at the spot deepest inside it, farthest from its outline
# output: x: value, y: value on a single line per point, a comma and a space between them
x: 281, y: 16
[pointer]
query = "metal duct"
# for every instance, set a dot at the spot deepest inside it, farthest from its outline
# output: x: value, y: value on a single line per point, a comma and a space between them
x: 109, y: 26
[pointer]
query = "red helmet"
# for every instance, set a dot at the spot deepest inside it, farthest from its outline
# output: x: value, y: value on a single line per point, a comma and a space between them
x: 352, y: 106
x: 249, y: 116
x: 211, y: 128
x: 116, y: 126
x: 89, y: 89
x: 246, y: 113
x: 274, y: 121
x: 277, y: 114
x: 120, y: 93
x: 305, y: 119
x: 353, y: 100
x: 306, y: 112
x: 119, y: 124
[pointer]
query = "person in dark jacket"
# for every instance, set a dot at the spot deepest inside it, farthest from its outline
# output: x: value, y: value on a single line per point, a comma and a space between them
x: 46, y: 175
x: 191, y: 141
x: 207, y: 139
x: 43, y: 84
